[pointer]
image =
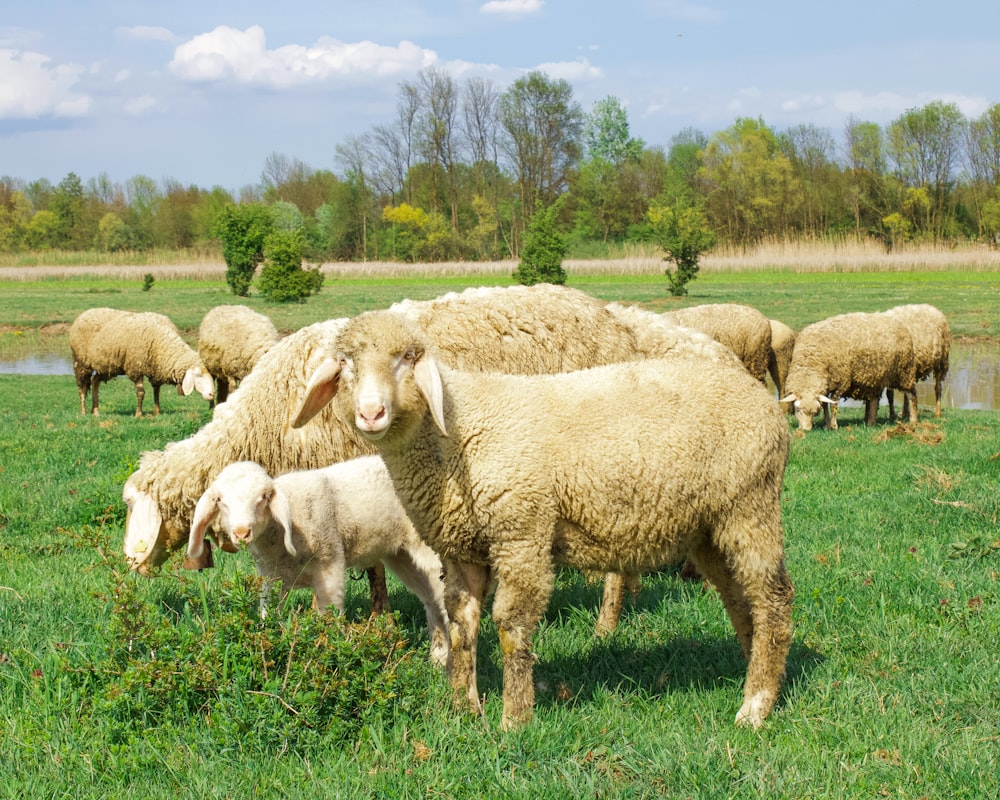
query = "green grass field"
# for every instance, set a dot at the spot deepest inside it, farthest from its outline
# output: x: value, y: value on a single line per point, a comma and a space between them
x: 892, y: 542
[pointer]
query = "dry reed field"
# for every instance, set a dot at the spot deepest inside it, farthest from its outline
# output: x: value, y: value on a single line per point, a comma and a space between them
x: 848, y: 255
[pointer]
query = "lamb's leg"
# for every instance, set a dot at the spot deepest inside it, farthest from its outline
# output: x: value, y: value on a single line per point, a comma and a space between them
x: 377, y: 590
x: 415, y: 574
x: 328, y: 588
x: 140, y: 393
x: 465, y: 587
x: 523, y: 592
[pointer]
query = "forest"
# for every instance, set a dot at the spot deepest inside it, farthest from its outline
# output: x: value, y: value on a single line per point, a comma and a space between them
x: 462, y: 167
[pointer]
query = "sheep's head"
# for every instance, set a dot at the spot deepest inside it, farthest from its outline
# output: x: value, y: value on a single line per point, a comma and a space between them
x: 805, y: 408
x: 383, y: 377
x: 242, y: 501
x: 198, y: 379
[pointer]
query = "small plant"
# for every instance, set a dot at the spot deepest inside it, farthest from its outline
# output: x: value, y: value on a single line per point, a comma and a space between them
x: 282, y: 278
x: 147, y: 281
x: 543, y: 251
x: 682, y: 232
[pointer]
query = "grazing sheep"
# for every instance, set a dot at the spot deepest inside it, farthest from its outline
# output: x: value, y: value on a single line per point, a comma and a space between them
x: 231, y: 339
x: 931, y: 336
x: 850, y: 355
x: 304, y: 528
x: 780, y: 356
x: 743, y: 329
x: 106, y: 342
x: 621, y: 468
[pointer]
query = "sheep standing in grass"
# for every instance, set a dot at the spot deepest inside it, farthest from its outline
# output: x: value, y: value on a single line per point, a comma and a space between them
x: 743, y: 329
x: 780, y: 357
x: 304, y: 528
x: 106, y: 342
x: 620, y: 468
x: 231, y: 339
x: 849, y: 355
x: 931, y: 335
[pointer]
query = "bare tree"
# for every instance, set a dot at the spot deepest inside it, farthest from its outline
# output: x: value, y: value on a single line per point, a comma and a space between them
x: 437, y: 125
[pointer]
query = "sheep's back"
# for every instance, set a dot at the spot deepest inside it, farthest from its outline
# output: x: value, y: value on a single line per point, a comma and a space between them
x: 232, y: 339
x: 741, y: 328
x: 931, y: 335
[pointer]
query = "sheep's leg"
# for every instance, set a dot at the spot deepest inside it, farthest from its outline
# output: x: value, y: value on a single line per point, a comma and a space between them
x: 938, y: 381
x: 416, y: 578
x: 140, y: 393
x: 712, y: 564
x: 910, y: 399
x: 94, y: 405
x: 611, y: 604
x: 222, y: 392
x: 377, y: 589
x: 465, y: 587
x: 328, y: 588
x: 871, y: 411
x: 890, y: 398
x: 156, y: 399
x: 523, y: 592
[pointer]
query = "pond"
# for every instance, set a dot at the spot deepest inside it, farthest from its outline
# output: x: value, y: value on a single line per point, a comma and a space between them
x: 973, y: 379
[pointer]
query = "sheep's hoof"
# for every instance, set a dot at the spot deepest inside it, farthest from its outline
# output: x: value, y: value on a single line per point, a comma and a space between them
x: 754, y: 710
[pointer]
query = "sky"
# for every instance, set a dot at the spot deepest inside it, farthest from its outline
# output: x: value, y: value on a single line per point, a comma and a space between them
x: 203, y: 92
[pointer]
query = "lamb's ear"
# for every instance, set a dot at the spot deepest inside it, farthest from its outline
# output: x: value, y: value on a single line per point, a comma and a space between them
x: 187, y: 384
x: 281, y: 510
x: 142, y: 528
x: 204, y: 512
x: 428, y: 379
x: 320, y: 390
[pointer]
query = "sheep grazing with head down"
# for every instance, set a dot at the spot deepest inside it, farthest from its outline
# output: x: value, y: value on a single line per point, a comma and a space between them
x: 304, y: 528
x: 106, y: 342
x: 620, y: 468
x: 853, y: 355
x: 780, y: 356
x: 931, y: 334
x: 231, y: 340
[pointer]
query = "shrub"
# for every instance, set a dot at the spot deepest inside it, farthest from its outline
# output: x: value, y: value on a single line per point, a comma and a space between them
x: 242, y: 230
x: 147, y: 281
x: 543, y: 251
x: 682, y: 232
x: 282, y: 278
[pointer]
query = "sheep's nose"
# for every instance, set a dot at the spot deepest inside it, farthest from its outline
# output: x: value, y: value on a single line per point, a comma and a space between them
x: 371, y: 414
x: 242, y: 533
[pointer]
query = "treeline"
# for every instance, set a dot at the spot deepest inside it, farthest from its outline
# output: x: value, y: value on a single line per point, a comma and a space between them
x: 461, y: 168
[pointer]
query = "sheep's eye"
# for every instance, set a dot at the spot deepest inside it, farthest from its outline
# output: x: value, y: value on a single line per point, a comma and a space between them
x: 410, y: 355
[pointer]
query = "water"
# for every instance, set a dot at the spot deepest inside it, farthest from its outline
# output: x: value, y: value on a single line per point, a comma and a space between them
x: 973, y: 380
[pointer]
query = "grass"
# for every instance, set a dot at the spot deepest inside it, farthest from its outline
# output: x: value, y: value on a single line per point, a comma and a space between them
x: 892, y: 682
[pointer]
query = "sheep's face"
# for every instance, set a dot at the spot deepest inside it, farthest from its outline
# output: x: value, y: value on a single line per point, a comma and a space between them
x: 240, y: 505
x: 198, y: 379
x: 805, y: 409
x: 145, y: 533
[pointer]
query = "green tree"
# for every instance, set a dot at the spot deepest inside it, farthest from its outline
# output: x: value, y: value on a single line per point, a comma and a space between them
x: 15, y: 215
x: 67, y: 204
x: 112, y: 233
x: 42, y: 231
x: 282, y: 278
x: 682, y: 232
x: 543, y: 251
x: 243, y: 230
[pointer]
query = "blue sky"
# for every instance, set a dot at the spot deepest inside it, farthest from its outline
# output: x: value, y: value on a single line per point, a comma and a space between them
x: 203, y: 92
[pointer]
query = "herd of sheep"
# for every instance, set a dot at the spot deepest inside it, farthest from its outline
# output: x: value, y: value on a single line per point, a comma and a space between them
x: 476, y: 442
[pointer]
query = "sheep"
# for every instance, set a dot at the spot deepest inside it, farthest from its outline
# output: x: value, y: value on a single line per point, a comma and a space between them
x: 231, y: 339
x: 931, y: 336
x: 743, y: 329
x: 106, y: 342
x: 622, y: 468
x: 303, y: 528
x: 780, y: 356
x: 849, y: 355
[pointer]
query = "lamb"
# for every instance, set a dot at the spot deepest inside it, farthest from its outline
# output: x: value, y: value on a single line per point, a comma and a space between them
x: 931, y: 336
x: 624, y: 468
x: 231, y: 339
x: 743, y: 329
x: 304, y: 528
x: 106, y: 342
x: 849, y: 355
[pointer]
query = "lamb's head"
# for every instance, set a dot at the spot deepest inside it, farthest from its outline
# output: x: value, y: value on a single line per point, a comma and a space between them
x: 243, y: 501
x: 198, y: 379
x: 384, y: 378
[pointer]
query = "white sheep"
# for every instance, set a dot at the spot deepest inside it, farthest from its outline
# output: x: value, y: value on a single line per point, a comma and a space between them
x: 304, y: 528
x: 622, y: 468
x: 106, y: 342
x: 743, y: 329
x: 853, y: 355
x: 231, y: 340
x: 931, y: 336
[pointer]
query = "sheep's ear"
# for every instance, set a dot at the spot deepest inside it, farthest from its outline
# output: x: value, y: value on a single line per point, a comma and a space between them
x: 824, y: 399
x: 142, y: 528
x: 281, y: 510
x: 428, y: 378
x: 187, y: 384
x: 789, y: 398
x: 320, y: 390
x: 204, y: 512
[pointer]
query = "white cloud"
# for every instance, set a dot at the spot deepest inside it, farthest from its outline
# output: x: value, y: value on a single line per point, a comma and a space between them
x: 511, y: 8
x: 147, y: 33
x: 578, y: 70
x: 137, y: 106
x: 889, y: 104
x: 228, y: 53
x: 30, y: 87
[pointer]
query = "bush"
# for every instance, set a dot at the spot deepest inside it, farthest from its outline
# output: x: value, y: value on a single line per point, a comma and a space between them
x: 282, y: 278
x: 543, y: 251
x: 147, y: 281
x: 682, y: 232
x: 242, y: 230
